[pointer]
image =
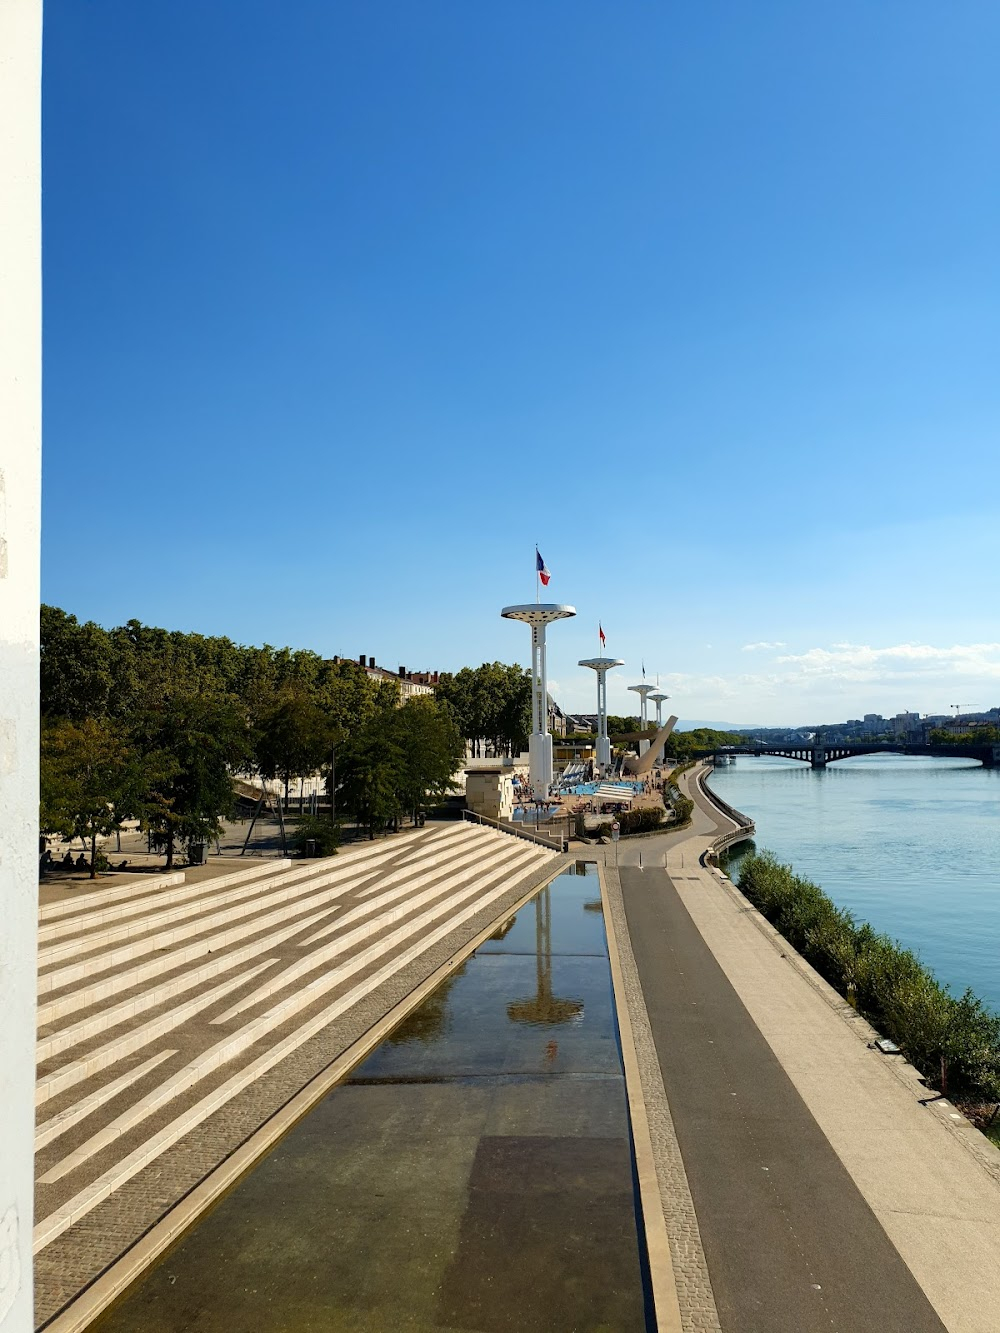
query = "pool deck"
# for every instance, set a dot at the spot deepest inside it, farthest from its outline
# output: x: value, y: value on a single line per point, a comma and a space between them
x: 807, y: 1181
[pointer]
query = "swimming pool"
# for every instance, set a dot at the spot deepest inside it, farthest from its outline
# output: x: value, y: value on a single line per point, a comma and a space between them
x: 590, y: 788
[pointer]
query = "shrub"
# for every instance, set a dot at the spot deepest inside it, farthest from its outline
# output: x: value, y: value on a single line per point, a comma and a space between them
x: 643, y: 820
x: 322, y: 832
x: 951, y: 1041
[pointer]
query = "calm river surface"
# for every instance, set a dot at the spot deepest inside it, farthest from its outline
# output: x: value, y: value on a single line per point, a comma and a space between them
x: 910, y: 844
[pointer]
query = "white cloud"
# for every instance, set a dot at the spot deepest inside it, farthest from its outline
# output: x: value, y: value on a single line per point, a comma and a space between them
x: 856, y: 662
x: 826, y: 684
x: 763, y: 646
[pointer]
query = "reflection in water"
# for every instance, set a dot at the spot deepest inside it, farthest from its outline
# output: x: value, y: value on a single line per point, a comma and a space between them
x: 430, y: 1021
x: 543, y: 1006
x: 473, y: 1175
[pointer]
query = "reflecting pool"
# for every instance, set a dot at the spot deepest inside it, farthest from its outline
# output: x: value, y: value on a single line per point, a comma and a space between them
x: 474, y: 1173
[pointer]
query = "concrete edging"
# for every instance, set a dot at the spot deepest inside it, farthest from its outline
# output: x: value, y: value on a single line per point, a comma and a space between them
x: 661, y: 1267
x: 126, y: 1270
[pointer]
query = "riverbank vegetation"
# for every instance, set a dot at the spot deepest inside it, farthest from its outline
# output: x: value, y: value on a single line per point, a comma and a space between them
x: 953, y: 1041
x: 683, y: 746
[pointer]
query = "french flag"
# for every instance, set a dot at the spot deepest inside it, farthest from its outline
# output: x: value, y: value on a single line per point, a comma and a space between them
x: 600, y: 630
x: 543, y: 573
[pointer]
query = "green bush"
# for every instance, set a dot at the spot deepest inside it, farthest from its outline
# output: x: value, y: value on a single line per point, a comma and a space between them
x: 321, y: 831
x: 953, y: 1042
x: 643, y: 820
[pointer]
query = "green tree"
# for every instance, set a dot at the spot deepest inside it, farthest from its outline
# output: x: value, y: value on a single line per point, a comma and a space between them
x: 430, y: 751
x: 91, y: 780
x: 207, y: 739
x: 75, y: 667
x: 293, y: 737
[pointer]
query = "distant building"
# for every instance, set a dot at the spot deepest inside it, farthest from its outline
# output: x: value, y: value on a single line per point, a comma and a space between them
x: 903, y: 724
x: 411, y: 684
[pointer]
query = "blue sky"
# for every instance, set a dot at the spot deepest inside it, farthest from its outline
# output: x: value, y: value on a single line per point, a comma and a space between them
x: 348, y: 305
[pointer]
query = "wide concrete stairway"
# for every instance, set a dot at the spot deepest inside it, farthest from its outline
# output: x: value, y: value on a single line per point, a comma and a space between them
x: 161, y: 1001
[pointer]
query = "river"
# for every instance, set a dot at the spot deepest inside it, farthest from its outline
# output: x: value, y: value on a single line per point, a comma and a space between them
x: 910, y: 844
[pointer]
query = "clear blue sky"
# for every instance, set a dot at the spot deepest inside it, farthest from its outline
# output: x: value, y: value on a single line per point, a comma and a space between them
x: 349, y: 304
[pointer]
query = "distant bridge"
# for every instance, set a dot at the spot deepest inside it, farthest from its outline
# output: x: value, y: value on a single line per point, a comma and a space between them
x: 819, y: 754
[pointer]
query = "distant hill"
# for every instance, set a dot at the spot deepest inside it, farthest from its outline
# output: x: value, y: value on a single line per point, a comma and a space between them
x: 687, y: 724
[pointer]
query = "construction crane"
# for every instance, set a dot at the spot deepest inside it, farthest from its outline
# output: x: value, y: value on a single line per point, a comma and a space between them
x: 958, y: 708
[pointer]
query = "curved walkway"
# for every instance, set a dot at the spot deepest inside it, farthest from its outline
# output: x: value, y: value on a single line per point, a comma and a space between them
x: 807, y: 1184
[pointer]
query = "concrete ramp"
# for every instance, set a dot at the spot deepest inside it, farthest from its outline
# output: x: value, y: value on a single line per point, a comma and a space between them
x: 644, y: 763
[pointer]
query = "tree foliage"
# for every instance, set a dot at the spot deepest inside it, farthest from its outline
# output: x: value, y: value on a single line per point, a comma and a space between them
x: 91, y: 781
x: 491, y: 704
x: 683, y: 745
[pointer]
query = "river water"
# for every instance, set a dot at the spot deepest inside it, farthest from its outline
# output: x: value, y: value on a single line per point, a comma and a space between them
x: 910, y: 844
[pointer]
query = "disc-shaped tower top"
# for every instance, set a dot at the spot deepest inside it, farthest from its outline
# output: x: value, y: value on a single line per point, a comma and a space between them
x: 659, y: 697
x: 538, y: 613
x: 644, y: 690
x: 601, y: 663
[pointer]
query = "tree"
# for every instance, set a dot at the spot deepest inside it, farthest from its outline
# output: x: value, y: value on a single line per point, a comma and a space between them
x: 207, y: 738
x: 91, y: 781
x: 370, y: 773
x: 489, y: 703
x: 430, y: 750
x: 75, y: 667
x: 294, y: 736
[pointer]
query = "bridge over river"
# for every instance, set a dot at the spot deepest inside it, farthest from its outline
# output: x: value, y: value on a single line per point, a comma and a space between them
x: 821, y: 753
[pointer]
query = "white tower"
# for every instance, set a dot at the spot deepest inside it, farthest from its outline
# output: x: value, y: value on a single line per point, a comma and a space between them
x: 602, y: 665
x: 643, y: 691
x: 659, y: 699
x: 538, y: 615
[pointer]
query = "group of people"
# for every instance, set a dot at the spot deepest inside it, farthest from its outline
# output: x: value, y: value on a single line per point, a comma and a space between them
x: 66, y: 864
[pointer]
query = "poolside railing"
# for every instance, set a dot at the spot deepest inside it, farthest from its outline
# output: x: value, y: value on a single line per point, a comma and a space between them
x: 554, y: 842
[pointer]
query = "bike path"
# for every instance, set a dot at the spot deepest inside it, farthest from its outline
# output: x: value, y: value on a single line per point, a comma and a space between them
x: 790, y: 1242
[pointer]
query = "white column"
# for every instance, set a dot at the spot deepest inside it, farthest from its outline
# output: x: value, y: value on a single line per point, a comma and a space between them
x: 603, y: 743
x: 540, y: 744
x: 20, y: 474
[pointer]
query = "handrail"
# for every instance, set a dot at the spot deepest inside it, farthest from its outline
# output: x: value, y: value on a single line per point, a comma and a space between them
x: 542, y: 839
x: 745, y: 829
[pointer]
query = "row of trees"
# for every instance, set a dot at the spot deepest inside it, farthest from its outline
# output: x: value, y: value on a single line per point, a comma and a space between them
x: 141, y: 723
x: 491, y: 705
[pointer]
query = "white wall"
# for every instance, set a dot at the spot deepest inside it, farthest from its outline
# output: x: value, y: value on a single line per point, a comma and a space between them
x: 20, y: 454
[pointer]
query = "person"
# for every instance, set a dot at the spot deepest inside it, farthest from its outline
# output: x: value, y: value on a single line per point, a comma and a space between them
x: 67, y: 861
x: 81, y: 862
x: 45, y: 862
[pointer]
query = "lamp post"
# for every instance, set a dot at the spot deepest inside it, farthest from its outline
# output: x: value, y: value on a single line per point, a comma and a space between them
x: 538, y: 615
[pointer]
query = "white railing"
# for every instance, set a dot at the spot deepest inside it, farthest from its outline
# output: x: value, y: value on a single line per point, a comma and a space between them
x: 745, y: 829
x: 551, y: 842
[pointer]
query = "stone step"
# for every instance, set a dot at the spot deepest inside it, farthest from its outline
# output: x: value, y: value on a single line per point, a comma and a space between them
x: 89, y: 996
x: 105, y: 915
x: 501, y: 860
x: 81, y: 1203
x: 66, y: 1076
x: 141, y: 885
x: 49, y: 1130
x: 189, y: 919
x: 234, y: 1044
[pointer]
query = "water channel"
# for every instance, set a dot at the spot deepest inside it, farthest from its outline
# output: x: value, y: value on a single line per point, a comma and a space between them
x: 475, y: 1173
x: 910, y: 844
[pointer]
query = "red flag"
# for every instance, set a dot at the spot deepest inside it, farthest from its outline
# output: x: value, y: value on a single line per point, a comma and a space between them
x: 601, y: 633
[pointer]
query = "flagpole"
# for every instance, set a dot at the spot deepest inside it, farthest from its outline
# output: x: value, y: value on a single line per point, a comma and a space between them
x: 538, y: 578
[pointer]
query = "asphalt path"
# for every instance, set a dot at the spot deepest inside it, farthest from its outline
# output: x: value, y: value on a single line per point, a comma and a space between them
x: 791, y: 1244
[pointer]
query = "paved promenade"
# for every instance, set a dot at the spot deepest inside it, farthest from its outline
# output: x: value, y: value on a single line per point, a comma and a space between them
x: 806, y: 1186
